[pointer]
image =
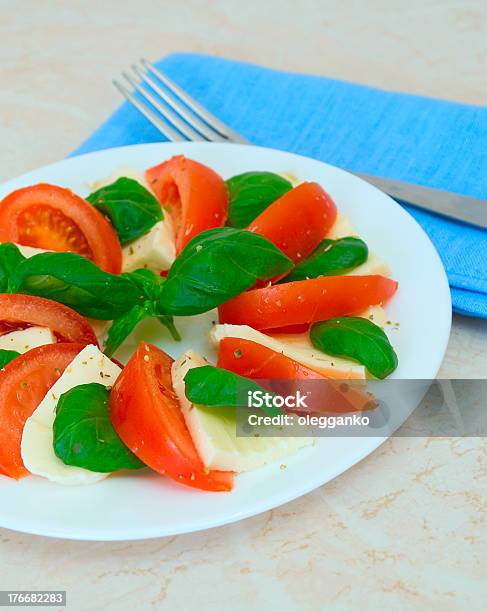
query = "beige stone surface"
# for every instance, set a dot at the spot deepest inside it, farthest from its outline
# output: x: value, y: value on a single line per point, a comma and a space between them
x: 406, y: 528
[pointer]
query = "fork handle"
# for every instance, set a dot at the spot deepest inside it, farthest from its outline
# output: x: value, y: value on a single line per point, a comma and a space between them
x: 452, y: 205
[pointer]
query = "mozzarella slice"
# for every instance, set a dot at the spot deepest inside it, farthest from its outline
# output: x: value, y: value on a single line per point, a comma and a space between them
x: 376, y: 314
x: 25, y: 339
x: 374, y: 264
x: 28, y: 251
x: 156, y: 250
x: 342, y: 228
x: 122, y: 171
x: 89, y: 366
x: 214, y: 430
x: 294, y: 346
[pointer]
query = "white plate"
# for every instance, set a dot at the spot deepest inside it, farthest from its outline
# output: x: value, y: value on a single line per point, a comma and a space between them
x: 145, y: 506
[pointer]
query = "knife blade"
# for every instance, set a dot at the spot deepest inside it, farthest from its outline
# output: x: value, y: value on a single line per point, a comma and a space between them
x: 451, y: 205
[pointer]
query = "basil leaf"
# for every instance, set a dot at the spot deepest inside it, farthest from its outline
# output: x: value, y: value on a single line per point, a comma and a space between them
x: 356, y: 338
x: 148, y: 282
x: 10, y: 258
x: 84, y: 435
x: 216, y: 266
x: 219, y: 388
x: 7, y: 356
x: 331, y: 258
x: 77, y: 282
x: 251, y: 193
x: 122, y: 327
x: 131, y: 208
x: 168, y: 322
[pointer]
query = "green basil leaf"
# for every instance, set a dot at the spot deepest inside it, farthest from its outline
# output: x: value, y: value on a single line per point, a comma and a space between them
x: 7, y: 356
x: 219, y: 388
x: 251, y: 193
x: 84, y: 435
x: 356, y: 338
x: 10, y: 258
x: 331, y: 258
x: 122, y: 327
x: 150, y: 285
x: 148, y: 282
x: 77, y: 282
x: 131, y: 208
x: 216, y: 266
x: 168, y: 322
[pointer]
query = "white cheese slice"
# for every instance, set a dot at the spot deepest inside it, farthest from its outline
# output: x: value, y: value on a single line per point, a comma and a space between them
x: 294, y: 346
x: 341, y: 228
x: 374, y: 264
x: 25, y: 339
x: 122, y: 171
x: 376, y: 314
x: 214, y: 430
x: 156, y: 250
x: 28, y: 251
x: 89, y: 366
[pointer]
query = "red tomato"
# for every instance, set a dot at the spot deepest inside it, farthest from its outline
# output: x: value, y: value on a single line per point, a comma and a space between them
x: 195, y: 196
x: 146, y: 414
x: 254, y: 360
x: 53, y: 218
x: 306, y: 301
x: 23, y: 384
x: 261, y: 363
x: 298, y: 221
x: 19, y: 311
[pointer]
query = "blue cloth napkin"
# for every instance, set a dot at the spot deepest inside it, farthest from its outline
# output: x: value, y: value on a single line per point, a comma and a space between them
x: 422, y: 140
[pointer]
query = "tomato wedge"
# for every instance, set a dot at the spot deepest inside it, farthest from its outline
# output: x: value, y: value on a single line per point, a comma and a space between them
x: 23, y: 384
x: 195, y: 196
x: 255, y: 361
x: 306, y: 301
x: 298, y: 221
x: 259, y: 362
x: 53, y: 218
x: 146, y: 414
x: 18, y: 311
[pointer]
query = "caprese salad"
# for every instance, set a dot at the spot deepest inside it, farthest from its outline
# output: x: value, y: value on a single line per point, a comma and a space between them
x: 299, y: 296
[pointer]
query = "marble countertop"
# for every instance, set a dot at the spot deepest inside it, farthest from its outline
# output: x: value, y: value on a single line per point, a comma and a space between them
x: 405, y: 529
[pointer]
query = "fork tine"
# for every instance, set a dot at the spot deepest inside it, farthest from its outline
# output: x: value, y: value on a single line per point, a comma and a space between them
x: 159, y: 123
x: 195, y: 106
x: 167, y: 113
x: 193, y: 120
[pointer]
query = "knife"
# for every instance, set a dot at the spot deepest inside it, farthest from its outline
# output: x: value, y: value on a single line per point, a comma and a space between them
x: 444, y: 203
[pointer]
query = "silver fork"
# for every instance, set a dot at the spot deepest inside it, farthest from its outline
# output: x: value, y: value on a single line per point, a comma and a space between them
x: 180, y: 118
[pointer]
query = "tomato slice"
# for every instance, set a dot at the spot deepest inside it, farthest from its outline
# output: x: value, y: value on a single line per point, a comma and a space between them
x: 261, y: 363
x: 306, y: 301
x: 256, y: 361
x: 147, y: 416
x: 298, y: 221
x: 23, y: 384
x: 195, y: 196
x: 19, y: 311
x: 53, y: 218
